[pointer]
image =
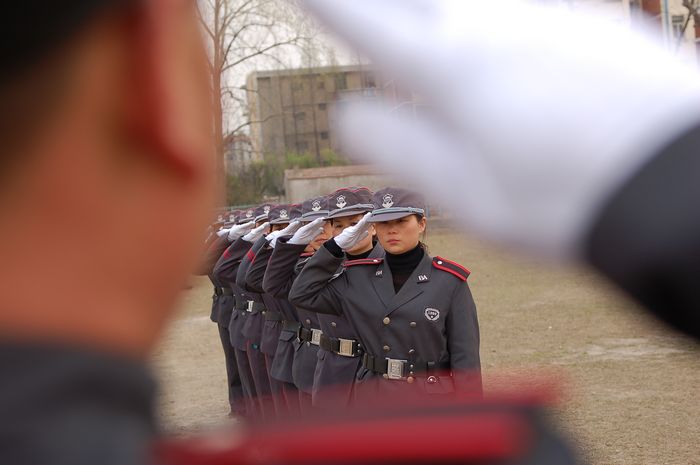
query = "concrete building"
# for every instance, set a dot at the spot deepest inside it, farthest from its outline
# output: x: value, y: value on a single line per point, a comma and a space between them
x: 238, y: 153
x: 295, y: 110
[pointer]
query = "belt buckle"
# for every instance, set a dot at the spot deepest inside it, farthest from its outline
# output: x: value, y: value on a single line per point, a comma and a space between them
x: 316, y: 336
x: 346, y: 347
x: 250, y: 306
x: 394, y: 368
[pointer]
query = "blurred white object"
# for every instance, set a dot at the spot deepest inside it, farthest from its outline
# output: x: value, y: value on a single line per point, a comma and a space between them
x: 536, y: 120
x: 222, y: 232
x: 239, y: 230
x: 352, y: 235
x: 306, y: 234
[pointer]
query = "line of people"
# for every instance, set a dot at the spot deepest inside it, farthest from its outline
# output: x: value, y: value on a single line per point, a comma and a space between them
x: 336, y: 301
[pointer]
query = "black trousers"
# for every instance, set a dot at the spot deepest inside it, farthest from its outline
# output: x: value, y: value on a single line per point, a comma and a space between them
x: 235, y: 388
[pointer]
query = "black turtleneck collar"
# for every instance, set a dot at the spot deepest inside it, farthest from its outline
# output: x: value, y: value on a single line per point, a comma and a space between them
x: 402, y: 265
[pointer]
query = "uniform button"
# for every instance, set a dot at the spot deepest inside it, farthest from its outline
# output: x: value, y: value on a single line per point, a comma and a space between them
x: 386, y: 348
x: 386, y: 320
x: 333, y: 324
x: 411, y: 351
x: 439, y: 262
x: 431, y: 380
x: 413, y: 324
x: 308, y: 322
x: 410, y: 379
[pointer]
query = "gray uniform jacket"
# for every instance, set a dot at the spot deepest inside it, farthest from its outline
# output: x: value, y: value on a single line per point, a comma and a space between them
x: 272, y: 327
x: 431, y: 319
x: 226, y: 270
x: 338, y: 371
x: 253, y: 327
x: 285, y: 264
x: 212, y: 254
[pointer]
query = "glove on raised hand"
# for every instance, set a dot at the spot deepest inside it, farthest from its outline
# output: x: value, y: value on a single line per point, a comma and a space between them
x: 530, y: 132
x: 306, y: 234
x: 237, y: 231
x: 289, y: 230
x: 352, y: 235
x: 256, y: 233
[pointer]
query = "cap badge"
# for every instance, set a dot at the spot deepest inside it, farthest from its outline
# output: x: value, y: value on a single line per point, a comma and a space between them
x: 316, y: 205
x: 220, y: 218
x: 283, y: 214
x: 266, y: 209
x: 340, y: 201
x: 249, y: 214
x: 387, y: 201
x: 232, y: 218
x: 432, y: 314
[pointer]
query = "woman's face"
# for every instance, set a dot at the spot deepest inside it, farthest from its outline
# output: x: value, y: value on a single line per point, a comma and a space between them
x: 339, y: 224
x: 400, y: 236
x: 323, y: 237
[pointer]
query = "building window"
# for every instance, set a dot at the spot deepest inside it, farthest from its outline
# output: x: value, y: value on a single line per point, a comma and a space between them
x: 324, y: 135
x: 370, y: 81
x: 300, y: 116
x: 677, y: 22
x: 341, y: 81
x: 322, y: 107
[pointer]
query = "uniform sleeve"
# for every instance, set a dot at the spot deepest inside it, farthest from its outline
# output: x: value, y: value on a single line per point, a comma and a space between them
x: 226, y: 268
x: 647, y: 237
x: 463, y: 341
x: 247, y: 260
x: 256, y: 272
x: 280, y: 269
x: 314, y: 289
x: 211, y: 255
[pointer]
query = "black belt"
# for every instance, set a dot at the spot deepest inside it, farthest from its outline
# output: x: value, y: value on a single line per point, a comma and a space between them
x: 272, y: 315
x: 340, y: 346
x: 310, y: 335
x: 219, y: 291
x: 291, y: 326
x: 249, y: 306
x: 400, y: 369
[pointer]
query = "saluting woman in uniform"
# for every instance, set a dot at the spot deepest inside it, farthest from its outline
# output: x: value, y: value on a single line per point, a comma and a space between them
x: 339, y: 357
x: 414, y: 314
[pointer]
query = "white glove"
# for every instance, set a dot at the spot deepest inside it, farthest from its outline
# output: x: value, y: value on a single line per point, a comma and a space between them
x: 352, y: 235
x: 222, y: 232
x: 290, y: 229
x: 256, y: 233
x: 531, y: 130
x: 306, y: 234
x: 237, y: 231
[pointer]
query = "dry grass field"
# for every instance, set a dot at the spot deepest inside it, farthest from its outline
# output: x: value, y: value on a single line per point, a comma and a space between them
x: 632, y: 385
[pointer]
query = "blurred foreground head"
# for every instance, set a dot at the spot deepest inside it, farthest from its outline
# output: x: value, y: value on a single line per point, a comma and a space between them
x: 104, y: 127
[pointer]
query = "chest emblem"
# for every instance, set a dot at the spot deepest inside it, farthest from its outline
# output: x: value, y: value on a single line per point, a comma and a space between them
x: 432, y: 314
x: 388, y: 201
x: 378, y: 273
x: 422, y: 277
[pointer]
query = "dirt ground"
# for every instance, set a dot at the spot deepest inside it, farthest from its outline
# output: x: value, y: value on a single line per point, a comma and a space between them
x: 632, y: 385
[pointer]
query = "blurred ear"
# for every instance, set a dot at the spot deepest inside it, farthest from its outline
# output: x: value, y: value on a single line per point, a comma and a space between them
x: 422, y: 223
x: 171, y: 105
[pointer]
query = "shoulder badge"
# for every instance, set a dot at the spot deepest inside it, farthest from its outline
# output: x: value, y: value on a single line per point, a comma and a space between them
x: 363, y: 261
x: 451, y: 267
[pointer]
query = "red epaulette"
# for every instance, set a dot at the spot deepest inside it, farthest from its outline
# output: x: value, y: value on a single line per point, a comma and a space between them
x: 363, y: 261
x: 451, y: 267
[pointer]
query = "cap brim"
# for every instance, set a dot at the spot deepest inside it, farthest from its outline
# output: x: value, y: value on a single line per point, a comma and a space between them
x: 389, y: 216
x: 281, y: 221
x: 261, y: 218
x: 308, y: 217
x: 351, y: 211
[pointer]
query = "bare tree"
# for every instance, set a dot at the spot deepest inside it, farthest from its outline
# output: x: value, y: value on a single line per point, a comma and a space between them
x: 243, y: 34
